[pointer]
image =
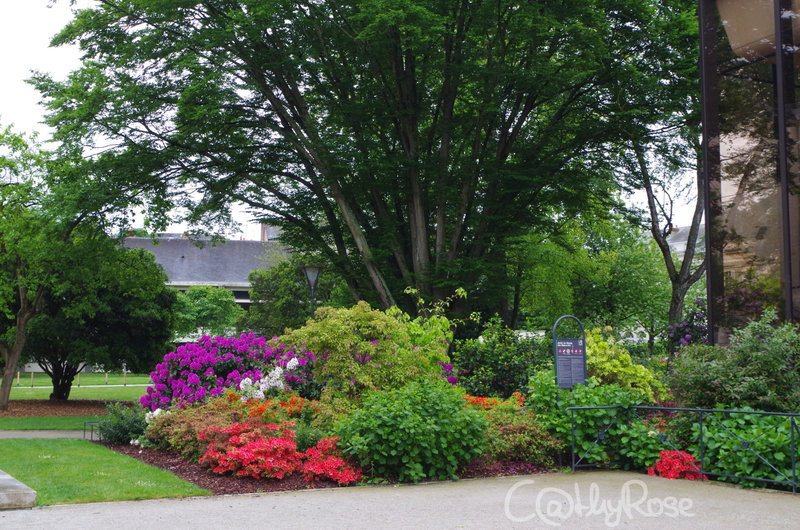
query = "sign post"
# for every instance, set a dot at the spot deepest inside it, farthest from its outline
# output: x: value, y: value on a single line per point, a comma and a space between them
x: 569, y: 356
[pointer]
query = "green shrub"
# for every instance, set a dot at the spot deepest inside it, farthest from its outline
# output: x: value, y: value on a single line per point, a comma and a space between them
x: 513, y: 434
x: 758, y: 370
x: 641, y: 443
x: 306, y: 436
x: 420, y: 430
x: 725, y: 453
x: 122, y: 423
x: 177, y: 430
x: 609, y: 362
x: 362, y: 349
x: 588, y: 423
x: 499, y: 362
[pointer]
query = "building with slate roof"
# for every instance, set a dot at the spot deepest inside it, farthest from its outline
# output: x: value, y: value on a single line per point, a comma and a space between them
x: 228, y: 264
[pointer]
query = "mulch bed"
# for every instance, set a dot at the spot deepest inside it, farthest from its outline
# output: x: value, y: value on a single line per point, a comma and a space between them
x: 22, y: 408
x: 222, y: 484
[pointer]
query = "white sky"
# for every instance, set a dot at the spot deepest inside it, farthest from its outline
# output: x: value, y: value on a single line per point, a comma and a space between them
x: 26, y: 28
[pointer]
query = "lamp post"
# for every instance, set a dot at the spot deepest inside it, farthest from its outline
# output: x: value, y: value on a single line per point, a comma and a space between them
x: 312, y: 273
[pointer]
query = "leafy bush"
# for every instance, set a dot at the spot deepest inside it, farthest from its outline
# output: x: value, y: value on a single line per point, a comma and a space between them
x: 204, y: 369
x: 122, y: 424
x: 513, y: 434
x: 362, y: 349
x: 420, y: 430
x: 759, y: 369
x: 589, y: 424
x: 609, y: 362
x: 641, y: 442
x: 499, y: 362
x: 177, y: 431
x: 306, y: 436
x: 732, y: 443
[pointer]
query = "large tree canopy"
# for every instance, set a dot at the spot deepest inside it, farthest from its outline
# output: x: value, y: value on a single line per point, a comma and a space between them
x: 407, y: 141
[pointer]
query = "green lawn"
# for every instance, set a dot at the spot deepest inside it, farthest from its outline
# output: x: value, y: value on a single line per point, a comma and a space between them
x: 67, y: 471
x: 46, y: 423
x: 126, y: 393
x: 42, y: 379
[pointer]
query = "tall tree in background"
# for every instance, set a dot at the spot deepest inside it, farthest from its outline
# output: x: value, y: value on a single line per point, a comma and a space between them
x: 660, y: 151
x: 281, y: 298
x: 118, y: 314
x: 407, y: 141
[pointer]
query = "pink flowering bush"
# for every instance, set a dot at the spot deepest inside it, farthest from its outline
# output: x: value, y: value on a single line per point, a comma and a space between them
x: 205, y: 369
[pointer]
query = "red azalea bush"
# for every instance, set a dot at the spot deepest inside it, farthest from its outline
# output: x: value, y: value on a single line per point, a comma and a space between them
x: 270, y: 451
x: 325, y: 460
x: 252, y: 450
x: 677, y: 464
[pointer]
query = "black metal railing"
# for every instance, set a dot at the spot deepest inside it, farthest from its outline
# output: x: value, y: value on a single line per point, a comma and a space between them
x: 704, y: 418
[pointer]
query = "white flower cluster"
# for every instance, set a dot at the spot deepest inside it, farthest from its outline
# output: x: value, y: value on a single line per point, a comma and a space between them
x: 292, y: 364
x: 150, y: 416
x: 257, y: 390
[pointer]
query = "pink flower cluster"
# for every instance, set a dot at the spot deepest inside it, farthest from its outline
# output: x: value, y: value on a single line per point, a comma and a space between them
x: 196, y: 371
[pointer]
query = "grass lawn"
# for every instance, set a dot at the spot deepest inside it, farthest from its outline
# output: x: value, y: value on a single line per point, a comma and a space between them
x: 67, y: 471
x: 46, y: 423
x: 126, y: 393
x: 42, y: 379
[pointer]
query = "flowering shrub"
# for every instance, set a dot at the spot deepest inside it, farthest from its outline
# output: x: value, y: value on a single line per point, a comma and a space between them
x: 252, y: 450
x: 325, y: 460
x: 204, y: 369
x: 513, y: 434
x: 693, y: 330
x: 362, y: 349
x: 484, y: 403
x: 447, y: 373
x: 269, y: 451
x: 677, y: 464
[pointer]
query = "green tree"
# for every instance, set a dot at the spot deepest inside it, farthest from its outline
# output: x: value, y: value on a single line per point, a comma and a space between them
x: 118, y: 316
x: 405, y: 141
x: 206, y: 310
x: 281, y: 298
x: 611, y: 274
x: 54, y: 219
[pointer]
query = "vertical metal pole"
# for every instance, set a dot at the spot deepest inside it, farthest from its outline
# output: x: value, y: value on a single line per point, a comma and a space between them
x: 572, y: 427
x: 702, y: 447
x: 793, y: 426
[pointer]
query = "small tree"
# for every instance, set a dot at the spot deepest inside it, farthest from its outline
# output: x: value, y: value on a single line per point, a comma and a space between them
x: 121, y: 315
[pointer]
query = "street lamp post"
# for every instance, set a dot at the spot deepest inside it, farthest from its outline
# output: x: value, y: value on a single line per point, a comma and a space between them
x: 312, y: 273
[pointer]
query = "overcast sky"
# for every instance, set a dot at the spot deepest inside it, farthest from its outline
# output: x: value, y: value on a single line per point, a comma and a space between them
x: 26, y: 28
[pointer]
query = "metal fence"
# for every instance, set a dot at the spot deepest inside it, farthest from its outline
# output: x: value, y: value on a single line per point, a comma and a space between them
x: 743, y: 442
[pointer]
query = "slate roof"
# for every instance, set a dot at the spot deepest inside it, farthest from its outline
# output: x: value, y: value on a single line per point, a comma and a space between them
x: 225, y: 264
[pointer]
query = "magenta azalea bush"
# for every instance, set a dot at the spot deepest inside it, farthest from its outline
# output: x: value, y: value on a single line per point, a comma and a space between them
x: 196, y: 371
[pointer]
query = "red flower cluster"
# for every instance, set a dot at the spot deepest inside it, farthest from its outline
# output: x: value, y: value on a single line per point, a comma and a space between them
x: 490, y: 403
x: 656, y: 422
x: 325, y: 460
x: 271, y: 409
x: 258, y: 450
x: 677, y: 464
x: 252, y: 450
